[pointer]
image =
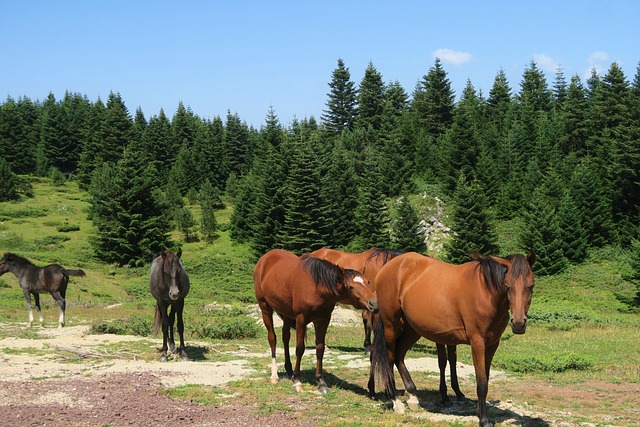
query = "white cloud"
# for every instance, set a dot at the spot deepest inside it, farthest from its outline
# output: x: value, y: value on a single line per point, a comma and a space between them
x: 546, y: 62
x: 597, y: 60
x: 449, y: 56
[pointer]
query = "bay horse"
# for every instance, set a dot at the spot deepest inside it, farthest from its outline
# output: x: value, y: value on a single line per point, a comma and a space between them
x: 369, y: 263
x: 449, y: 304
x: 303, y: 290
x: 169, y: 284
x: 35, y: 280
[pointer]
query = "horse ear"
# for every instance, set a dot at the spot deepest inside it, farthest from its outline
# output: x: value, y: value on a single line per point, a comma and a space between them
x: 531, y: 258
x: 179, y: 254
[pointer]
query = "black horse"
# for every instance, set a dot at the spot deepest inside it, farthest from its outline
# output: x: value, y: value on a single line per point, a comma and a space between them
x: 169, y: 284
x: 36, y: 280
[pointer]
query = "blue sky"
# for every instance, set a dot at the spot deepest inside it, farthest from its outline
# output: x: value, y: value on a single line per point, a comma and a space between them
x: 246, y: 56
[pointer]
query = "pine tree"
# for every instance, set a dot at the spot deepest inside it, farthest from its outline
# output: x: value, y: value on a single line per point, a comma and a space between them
x: 341, y: 103
x: 116, y: 133
x: 8, y: 182
x: 304, y: 210
x: 406, y: 231
x: 371, y: 100
x: 574, y: 116
x: 433, y: 101
x: 499, y: 102
x: 534, y: 89
x: 130, y: 219
x: 473, y: 230
x: 574, y: 236
x: 209, y: 198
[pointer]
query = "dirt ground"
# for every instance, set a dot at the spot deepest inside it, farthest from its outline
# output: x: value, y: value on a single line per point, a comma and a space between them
x: 39, y: 388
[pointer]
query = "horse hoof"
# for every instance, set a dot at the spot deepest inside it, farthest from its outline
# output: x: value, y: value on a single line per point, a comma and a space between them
x: 274, y: 380
x: 413, y: 403
x: 323, y: 389
x: 297, y: 387
x: 398, y: 407
x: 163, y: 358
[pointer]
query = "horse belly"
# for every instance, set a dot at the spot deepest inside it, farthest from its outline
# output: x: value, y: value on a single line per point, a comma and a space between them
x: 434, y: 318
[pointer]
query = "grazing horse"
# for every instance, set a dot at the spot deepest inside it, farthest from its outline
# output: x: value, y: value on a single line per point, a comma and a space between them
x: 169, y: 284
x: 448, y: 304
x: 34, y: 280
x: 302, y: 290
x: 369, y: 263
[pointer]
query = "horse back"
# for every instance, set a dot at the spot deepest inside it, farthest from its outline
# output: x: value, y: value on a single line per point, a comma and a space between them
x: 439, y: 300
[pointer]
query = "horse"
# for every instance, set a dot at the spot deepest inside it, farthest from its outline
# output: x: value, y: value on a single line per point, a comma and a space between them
x: 169, y: 284
x: 303, y: 290
x: 369, y: 263
x: 449, y: 304
x: 34, y: 280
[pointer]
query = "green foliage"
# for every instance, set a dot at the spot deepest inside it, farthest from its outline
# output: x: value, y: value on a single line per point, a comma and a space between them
x: 66, y: 228
x: 8, y: 182
x: 555, y: 363
x: 132, y: 326
x: 224, y: 327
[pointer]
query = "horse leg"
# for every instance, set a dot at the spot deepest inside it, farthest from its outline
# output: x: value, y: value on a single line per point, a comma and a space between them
x: 165, y: 330
x: 171, y: 341
x: 182, y: 349
x: 27, y: 298
x: 478, y: 352
x: 442, y: 365
x: 452, y: 354
x: 366, y: 321
x: 62, y: 304
x: 300, y: 335
x: 286, y: 338
x: 403, y: 344
x: 267, y: 319
x: 320, y: 327
x: 36, y: 299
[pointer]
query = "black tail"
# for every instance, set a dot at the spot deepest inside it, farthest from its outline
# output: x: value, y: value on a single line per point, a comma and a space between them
x: 380, y: 365
x: 157, y: 320
x: 66, y: 272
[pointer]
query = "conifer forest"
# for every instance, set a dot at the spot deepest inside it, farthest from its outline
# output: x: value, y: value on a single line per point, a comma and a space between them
x: 555, y: 159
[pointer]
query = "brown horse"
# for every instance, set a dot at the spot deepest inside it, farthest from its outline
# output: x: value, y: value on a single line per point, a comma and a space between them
x: 34, y: 280
x: 302, y: 290
x: 369, y: 263
x: 169, y: 285
x: 448, y: 304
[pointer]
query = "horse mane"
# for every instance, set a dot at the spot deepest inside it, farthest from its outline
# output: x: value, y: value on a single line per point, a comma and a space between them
x: 493, y: 273
x: 387, y: 254
x: 324, y: 273
x: 168, y: 257
x: 8, y: 256
x: 519, y: 265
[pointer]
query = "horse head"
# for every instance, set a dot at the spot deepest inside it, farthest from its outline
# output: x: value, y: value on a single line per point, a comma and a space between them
x: 172, y: 270
x: 358, y: 291
x: 4, y: 265
x: 519, y: 282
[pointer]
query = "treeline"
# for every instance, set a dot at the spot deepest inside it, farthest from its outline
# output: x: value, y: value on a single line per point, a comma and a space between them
x: 561, y: 156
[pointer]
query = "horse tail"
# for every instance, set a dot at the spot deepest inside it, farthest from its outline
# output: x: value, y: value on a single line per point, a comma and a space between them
x: 157, y: 321
x: 380, y: 366
x: 67, y: 273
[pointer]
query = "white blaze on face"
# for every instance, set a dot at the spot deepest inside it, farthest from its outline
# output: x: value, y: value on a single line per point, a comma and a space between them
x: 359, y: 280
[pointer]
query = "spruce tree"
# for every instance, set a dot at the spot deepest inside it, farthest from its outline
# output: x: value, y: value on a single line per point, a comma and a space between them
x: 534, y: 89
x: 127, y: 212
x: 472, y: 227
x: 499, y: 102
x: 341, y: 103
x: 209, y: 198
x: 573, y: 234
x: 433, y: 101
x: 406, y: 232
x: 8, y: 182
x: 370, y: 97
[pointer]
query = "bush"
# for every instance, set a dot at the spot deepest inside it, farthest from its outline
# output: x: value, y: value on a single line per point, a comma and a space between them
x: 65, y: 228
x: 226, y: 328
x: 133, y: 326
x: 548, y: 363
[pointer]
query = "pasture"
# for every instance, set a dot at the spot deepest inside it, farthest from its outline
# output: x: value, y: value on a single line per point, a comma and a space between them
x: 577, y: 363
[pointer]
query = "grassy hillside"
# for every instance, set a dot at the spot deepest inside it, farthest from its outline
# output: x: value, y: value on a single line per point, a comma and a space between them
x: 582, y: 303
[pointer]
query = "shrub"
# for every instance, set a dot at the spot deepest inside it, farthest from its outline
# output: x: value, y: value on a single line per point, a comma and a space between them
x: 547, y: 363
x: 134, y: 326
x: 225, y: 328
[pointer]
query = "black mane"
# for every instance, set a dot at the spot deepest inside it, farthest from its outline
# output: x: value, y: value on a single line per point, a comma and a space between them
x: 324, y: 273
x: 493, y: 273
x: 11, y: 257
x: 387, y: 254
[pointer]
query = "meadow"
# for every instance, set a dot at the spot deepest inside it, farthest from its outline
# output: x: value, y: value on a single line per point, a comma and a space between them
x: 577, y: 363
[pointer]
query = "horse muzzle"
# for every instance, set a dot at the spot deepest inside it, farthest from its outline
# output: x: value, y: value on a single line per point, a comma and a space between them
x: 174, y: 295
x: 519, y: 327
x: 372, y: 306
